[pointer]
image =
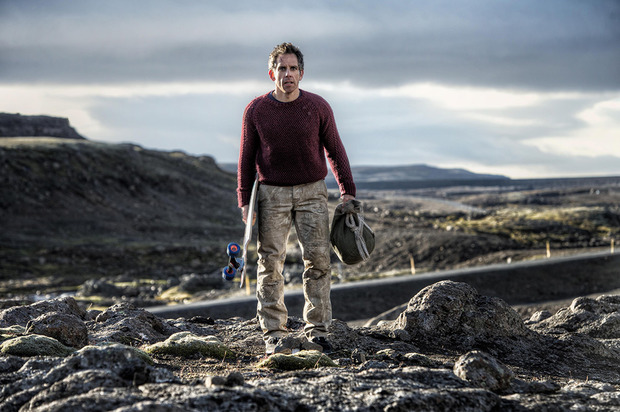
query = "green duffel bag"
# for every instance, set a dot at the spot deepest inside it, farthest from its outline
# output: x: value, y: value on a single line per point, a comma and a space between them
x: 352, y: 239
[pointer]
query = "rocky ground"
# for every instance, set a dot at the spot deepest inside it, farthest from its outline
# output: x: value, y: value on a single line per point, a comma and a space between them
x: 112, y: 229
x: 450, y: 349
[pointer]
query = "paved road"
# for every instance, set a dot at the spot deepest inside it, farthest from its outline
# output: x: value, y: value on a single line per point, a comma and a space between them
x: 517, y: 283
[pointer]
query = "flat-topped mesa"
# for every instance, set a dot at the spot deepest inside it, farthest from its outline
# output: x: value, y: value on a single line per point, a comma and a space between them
x: 17, y: 125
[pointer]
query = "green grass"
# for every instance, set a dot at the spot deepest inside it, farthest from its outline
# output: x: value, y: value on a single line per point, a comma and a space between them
x: 531, y: 226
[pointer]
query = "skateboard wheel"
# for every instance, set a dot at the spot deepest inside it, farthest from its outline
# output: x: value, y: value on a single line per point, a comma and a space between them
x: 228, y: 273
x: 233, y: 249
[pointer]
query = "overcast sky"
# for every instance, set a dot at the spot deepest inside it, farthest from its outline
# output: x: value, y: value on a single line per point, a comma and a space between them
x: 524, y: 88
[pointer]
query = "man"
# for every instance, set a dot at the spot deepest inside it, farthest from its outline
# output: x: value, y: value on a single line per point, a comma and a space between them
x: 285, y: 135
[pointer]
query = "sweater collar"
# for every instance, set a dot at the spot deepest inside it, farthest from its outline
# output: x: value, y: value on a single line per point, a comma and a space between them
x: 272, y: 97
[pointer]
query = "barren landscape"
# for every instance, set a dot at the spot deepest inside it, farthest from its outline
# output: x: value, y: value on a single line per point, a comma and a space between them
x: 93, y: 233
x: 120, y: 223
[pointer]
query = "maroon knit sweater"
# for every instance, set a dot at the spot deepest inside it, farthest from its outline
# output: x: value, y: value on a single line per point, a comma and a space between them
x: 285, y: 144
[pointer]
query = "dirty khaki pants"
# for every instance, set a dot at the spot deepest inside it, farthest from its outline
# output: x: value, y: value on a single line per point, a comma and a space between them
x: 278, y: 208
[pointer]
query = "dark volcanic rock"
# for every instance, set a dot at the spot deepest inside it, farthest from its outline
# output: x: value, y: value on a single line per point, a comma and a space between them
x: 76, y: 383
x: 66, y: 328
x: 423, y: 362
x: 124, y: 323
x: 21, y: 315
x: 9, y: 364
x: 69, y: 382
x: 16, y: 125
x: 454, y: 315
x: 598, y: 318
x: 483, y: 371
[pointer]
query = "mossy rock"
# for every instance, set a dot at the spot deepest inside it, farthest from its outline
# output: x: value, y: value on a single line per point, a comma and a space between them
x: 307, y: 359
x: 11, y: 332
x: 186, y: 344
x: 34, y: 345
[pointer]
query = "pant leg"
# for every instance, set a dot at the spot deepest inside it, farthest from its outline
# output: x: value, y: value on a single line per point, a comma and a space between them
x: 274, y: 223
x: 312, y: 226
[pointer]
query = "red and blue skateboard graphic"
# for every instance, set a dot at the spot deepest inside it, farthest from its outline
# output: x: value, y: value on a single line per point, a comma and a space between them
x: 235, y: 263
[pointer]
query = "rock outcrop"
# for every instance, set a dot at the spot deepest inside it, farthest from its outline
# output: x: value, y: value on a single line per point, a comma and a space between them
x: 454, y: 317
x: 17, y: 125
x: 598, y: 318
x: 21, y: 315
x: 454, y: 314
x: 451, y: 349
x: 483, y: 370
x: 68, y: 329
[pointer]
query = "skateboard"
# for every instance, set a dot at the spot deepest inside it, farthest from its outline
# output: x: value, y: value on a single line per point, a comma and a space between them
x: 236, y: 264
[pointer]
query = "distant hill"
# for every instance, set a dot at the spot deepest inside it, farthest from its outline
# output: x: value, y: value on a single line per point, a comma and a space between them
x: 76, y: 206
x: 414, y: 172
x: 17, y: 125
x: 376, y: 175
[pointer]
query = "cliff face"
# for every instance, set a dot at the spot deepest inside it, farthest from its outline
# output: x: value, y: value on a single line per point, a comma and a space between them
x: 17, y: 125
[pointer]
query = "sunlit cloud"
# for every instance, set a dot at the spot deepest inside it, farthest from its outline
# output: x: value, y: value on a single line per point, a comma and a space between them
x: 464, y: 98
x: 455, y: 98
x: 605, y: 114
x: 448, y: 97
x: 600, y: 135
x: 76, y: 101
x: 503, y: 120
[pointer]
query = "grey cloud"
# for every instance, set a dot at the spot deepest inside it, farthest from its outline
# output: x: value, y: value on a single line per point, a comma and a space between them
x: 455, y: 146
x: 417, y: 133
x: 567, y: 45
x: 184, y: 63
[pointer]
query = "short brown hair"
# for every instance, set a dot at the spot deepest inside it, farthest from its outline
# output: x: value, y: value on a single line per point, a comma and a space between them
x: 285, y: 48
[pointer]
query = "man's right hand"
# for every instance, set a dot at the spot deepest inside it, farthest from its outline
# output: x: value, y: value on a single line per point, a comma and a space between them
x: 244, y: 214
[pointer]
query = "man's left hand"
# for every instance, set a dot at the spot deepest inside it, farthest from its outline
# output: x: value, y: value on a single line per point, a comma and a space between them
x: 346, y: 198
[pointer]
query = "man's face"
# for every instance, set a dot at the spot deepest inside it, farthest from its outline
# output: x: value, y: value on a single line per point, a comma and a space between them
x: 286, y: 74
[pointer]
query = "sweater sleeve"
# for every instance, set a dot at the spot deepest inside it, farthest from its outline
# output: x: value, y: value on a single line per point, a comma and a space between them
x: 246, y: 167
x: 336, y: 153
